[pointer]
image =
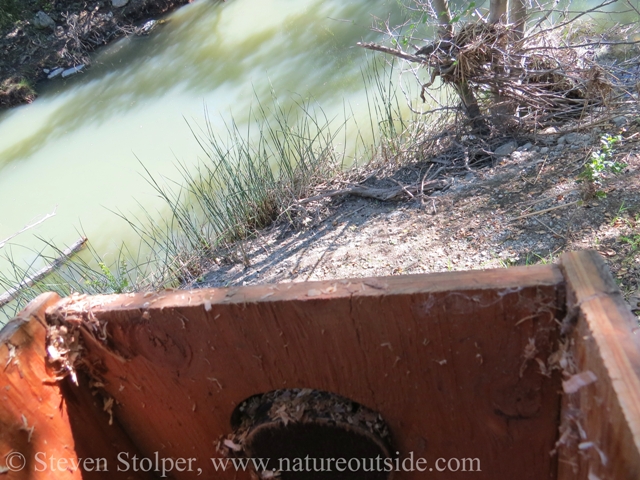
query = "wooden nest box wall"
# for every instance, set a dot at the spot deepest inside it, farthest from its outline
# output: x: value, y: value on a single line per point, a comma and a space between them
x: 527, y: 373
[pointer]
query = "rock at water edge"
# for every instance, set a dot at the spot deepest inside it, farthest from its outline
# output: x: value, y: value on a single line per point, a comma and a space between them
x: 42, y: 20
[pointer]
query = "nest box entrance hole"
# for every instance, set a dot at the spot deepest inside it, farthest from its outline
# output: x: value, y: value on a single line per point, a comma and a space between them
x: 307, y: 434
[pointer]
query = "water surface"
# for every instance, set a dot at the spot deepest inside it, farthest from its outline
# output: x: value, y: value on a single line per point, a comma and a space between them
x: 77, y: 149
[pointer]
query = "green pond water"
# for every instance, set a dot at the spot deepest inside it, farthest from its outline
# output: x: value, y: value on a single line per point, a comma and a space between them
x: 77, y: 149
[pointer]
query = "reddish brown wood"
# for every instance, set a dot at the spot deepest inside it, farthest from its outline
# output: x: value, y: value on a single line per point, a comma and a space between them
x: 43, y: 420
x: 448, y: 359
x: 602, y: 420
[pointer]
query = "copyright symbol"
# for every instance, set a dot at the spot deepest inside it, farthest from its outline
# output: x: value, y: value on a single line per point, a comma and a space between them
x: 15, y: 461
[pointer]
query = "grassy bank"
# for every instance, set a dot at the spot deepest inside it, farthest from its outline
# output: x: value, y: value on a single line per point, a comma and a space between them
x: 251, y: 177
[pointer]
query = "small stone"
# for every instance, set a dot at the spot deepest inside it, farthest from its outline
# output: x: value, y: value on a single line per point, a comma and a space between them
x: 521, y: 156
x: 119, y: 3
x: 544, y: 150
x: 506, y: 149
x: 620, y: 121
x: 42, y: 20
x: 577, y: 138
x: 46, y: 70
x: 550, y: 130
x: 526, y: 147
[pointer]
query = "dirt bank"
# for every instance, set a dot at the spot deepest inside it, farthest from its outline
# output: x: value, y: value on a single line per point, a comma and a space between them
x: 528, y: 207
x: 38, y: 37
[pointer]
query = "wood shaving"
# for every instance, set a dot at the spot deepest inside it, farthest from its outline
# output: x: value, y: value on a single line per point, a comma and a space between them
x: 231, y: 445
x: 529, y: 354
x: 579, y: 380
x: 108, y: 407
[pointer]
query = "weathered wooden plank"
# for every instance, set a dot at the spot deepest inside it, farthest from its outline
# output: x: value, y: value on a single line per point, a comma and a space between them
x: 449, y: 360
x: 39, y: 424
x: 601, y: 421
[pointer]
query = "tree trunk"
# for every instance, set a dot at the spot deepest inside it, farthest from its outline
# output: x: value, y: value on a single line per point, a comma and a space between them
x: 517, y: 17
x: 445, y: 31
x: 497, y: 11
x: 471, y: 106
x: 501, y: 111
x: 445, y: 28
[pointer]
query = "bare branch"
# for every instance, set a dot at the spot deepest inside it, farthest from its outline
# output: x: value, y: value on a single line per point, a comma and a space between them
x: 395, y: 52
x: 27, y: 227
x: 13, y: 293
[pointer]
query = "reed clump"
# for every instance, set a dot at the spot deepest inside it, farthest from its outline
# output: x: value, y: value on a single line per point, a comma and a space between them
x: 250, y: 178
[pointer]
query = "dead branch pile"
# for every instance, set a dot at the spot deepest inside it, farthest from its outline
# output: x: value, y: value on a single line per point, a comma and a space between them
x: 87, y: 30
x: 539, y: 80
x: 533, y: 78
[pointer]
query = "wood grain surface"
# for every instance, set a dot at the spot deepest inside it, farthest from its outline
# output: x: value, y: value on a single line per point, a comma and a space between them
x: 51, y: 425
x: 450, y: 361
x: 602, y: 419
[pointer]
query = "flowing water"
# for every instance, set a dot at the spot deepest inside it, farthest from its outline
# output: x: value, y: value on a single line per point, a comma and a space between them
x: 78, y: 149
